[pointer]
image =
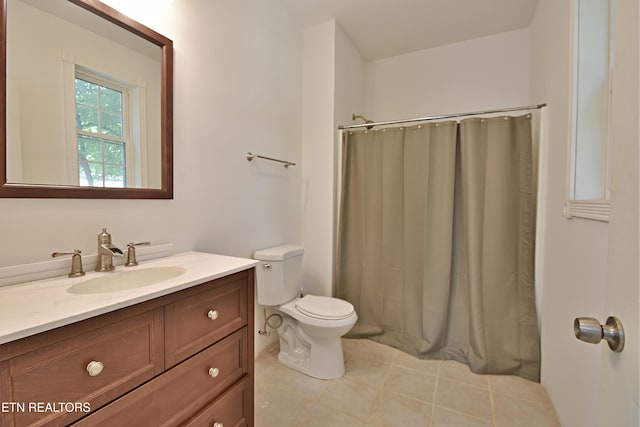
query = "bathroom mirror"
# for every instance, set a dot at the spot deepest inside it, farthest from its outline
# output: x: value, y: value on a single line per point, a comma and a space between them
x: 88, y: 103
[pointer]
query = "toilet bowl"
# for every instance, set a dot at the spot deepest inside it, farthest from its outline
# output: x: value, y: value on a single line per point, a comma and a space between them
x: 319, y: 333
x: 312, y: 326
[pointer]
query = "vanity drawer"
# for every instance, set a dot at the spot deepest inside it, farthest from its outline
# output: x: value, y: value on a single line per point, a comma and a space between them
x: 171, y: 398
x: 130, y: 350
x: 229, y: 410
x: 194, y: 322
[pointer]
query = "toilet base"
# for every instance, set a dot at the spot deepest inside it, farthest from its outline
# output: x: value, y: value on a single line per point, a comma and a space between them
x: 320, y: 358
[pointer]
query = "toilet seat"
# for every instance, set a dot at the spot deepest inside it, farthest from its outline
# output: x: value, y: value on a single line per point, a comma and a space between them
x: 325, y: 308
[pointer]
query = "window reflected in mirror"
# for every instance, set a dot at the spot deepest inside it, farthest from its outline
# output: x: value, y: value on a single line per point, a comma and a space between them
x: 101, y: 132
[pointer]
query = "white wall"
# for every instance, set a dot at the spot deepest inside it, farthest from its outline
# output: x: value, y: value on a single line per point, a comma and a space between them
x: 318, y: 156
x: 574, y: 250
x: 484, y: 73
x: 237, y: 89
x: 333, y: 90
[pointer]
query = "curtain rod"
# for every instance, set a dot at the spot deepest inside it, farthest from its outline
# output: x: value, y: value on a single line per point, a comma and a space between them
x: 444, y: 116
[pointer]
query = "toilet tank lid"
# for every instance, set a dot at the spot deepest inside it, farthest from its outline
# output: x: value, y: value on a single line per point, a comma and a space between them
x: 278, y: 253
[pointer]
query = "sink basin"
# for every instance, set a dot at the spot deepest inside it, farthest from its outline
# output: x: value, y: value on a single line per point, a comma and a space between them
x: 125, y: 280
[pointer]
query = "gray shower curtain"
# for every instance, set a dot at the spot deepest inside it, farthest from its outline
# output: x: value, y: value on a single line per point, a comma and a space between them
x: 436, y: 241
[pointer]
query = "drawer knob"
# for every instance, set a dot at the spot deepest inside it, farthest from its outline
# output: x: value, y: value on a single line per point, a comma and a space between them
x: 218, y: 424
x: 213, y: 314
x: 95, y: 368
x: 214, y: 372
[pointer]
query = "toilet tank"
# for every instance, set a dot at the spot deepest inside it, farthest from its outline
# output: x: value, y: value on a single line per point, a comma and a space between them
x: 278, y: 276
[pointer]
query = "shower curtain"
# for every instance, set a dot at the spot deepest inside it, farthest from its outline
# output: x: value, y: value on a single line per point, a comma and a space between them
x: 436, y: 241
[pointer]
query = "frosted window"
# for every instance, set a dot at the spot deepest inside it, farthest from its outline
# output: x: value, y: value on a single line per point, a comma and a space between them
x: 592, y: 65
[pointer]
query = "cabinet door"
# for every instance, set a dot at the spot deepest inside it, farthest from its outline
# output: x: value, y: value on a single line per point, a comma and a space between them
x: 173, y: 397
x: 85, y: 372
x: 230, y: 409
x: 5, y: 394
x: 194, y: 322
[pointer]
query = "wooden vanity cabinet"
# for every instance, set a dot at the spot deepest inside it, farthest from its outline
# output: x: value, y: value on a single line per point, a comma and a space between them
x: 130, y: 351
x: 194, y: 322
x: 181, y: 359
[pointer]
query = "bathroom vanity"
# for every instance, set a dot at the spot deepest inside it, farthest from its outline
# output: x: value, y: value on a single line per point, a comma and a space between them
x: 175, y: 351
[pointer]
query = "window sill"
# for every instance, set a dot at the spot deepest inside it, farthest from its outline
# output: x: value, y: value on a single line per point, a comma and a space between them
x: 588, y: 209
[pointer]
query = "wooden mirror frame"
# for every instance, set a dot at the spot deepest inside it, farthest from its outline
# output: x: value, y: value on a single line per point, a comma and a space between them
x: 13, y: 190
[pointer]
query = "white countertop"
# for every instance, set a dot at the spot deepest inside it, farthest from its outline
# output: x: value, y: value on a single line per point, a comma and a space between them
x: 33, y: 307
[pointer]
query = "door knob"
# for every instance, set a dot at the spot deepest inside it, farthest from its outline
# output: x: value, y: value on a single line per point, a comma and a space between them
x: 590, y: 330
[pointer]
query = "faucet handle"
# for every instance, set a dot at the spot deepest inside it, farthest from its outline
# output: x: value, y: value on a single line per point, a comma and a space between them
x: 76, y: 262
x: 131, y: 253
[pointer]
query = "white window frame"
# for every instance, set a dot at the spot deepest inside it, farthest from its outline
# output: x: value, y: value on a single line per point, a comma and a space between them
x: 576, y: 208
x: 126, y: 122
x: 135, y: 115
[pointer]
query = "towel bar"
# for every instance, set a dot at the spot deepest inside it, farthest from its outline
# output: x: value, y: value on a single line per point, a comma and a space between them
x: 251, y: 156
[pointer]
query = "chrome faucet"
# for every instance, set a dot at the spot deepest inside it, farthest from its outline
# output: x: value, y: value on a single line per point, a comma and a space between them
x: 106, y: 252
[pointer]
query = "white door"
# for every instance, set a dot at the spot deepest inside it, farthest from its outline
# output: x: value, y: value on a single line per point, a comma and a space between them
x: 620, y: 379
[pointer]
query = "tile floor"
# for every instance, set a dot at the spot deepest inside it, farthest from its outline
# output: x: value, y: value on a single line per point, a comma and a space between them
x: 386, y: 387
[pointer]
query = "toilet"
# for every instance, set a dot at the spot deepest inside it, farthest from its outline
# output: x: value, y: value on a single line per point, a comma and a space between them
x: 312, y: 326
